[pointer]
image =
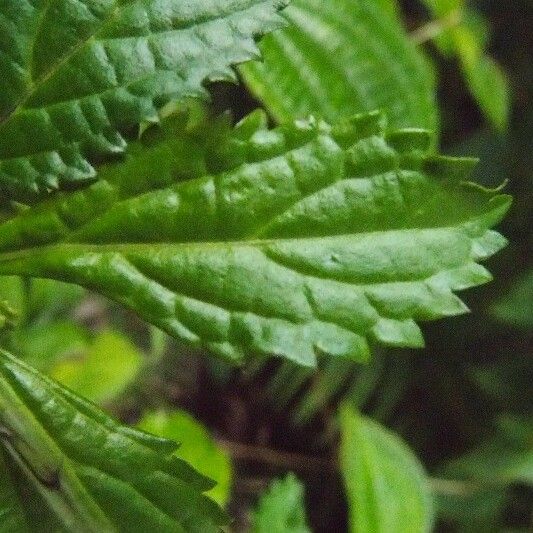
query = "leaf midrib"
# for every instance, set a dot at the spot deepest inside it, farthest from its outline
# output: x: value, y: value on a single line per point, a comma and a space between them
x: 87, y: 248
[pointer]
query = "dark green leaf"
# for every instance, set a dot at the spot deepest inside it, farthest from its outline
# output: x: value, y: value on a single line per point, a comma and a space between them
x: 341, y: 57
x: 94, y: 474
x: 504, y: 459
x: 515, y: 308
x: 76, y: 74
x: 298, y: 241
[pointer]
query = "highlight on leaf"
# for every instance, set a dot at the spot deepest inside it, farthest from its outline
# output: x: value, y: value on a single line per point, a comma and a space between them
x: 76, y: 75
x: 298, y: 241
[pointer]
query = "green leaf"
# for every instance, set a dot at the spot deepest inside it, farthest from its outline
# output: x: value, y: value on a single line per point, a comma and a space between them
x: 504, y: 459
x: 465, y: 34
x: 197, y: 448
x: 303, y: 240
x: 386, y: 486
x: 77, y: 74
x: 94, y: 474
x: 514, y: 308
x: 342, y: 57
x: 42, y: 345
x: 104, y: 371
x: 282, y: 508
x: 488, y: 84
x: 12, y: 516
x: 474, y: 511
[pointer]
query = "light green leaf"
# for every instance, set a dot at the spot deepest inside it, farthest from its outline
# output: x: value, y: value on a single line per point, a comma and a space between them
x: 197, y: 448
x: 94, y: 474
x: 342, y: 57
x: 76, y: 74
x: 442, y: 8
x: 110, y: 363
x: 303, y: 240
x: 282, y: 508
x: 386, y: 486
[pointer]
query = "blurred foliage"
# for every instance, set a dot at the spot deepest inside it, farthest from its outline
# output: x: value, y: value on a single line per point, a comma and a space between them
x: 103, y: 370
x: 196, y: 447
x: 461, y: 31
x: 281, y: 509
x: 387, y: 488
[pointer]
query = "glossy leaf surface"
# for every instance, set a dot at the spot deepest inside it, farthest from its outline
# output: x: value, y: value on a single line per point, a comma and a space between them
x: 91, y: 472
x: 341, y: 57
x: 303, y: 240
x: 76, y: 74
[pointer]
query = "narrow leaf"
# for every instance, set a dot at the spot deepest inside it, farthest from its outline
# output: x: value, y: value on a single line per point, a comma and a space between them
x: 386, y: 486
x: 298, y: 241
x: 76, y: 74
x: 95, y: 475
x: 342, y: 57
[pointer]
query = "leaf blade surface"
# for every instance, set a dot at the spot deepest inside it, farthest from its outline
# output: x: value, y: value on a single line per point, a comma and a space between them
x: 297, y: 241
x: 75, y: 76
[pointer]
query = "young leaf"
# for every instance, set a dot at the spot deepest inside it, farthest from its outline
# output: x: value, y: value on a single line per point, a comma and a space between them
x: 342, y: 57
x: 94, y: 474
x: 282, y: 508
x: 386, y: 486
x: 197, y: 448
x: 76, y: 74
x: 302, y: 240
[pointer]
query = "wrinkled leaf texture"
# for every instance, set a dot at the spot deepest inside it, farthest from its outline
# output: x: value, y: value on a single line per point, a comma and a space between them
x: 75, y: 75
x: 92, y: 473
x: 297, y: 241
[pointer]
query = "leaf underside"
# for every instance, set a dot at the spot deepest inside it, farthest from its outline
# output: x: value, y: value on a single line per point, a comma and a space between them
x: 75, y: 75
x: 298, y: 241
x: 342, y: 57
x: 92, y: 473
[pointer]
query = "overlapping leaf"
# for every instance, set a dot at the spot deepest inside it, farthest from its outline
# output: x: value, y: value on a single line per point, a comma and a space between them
x: 92, y: 473
x: 342, y: 57
x: 76, y: 74
x: 302, y: 240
